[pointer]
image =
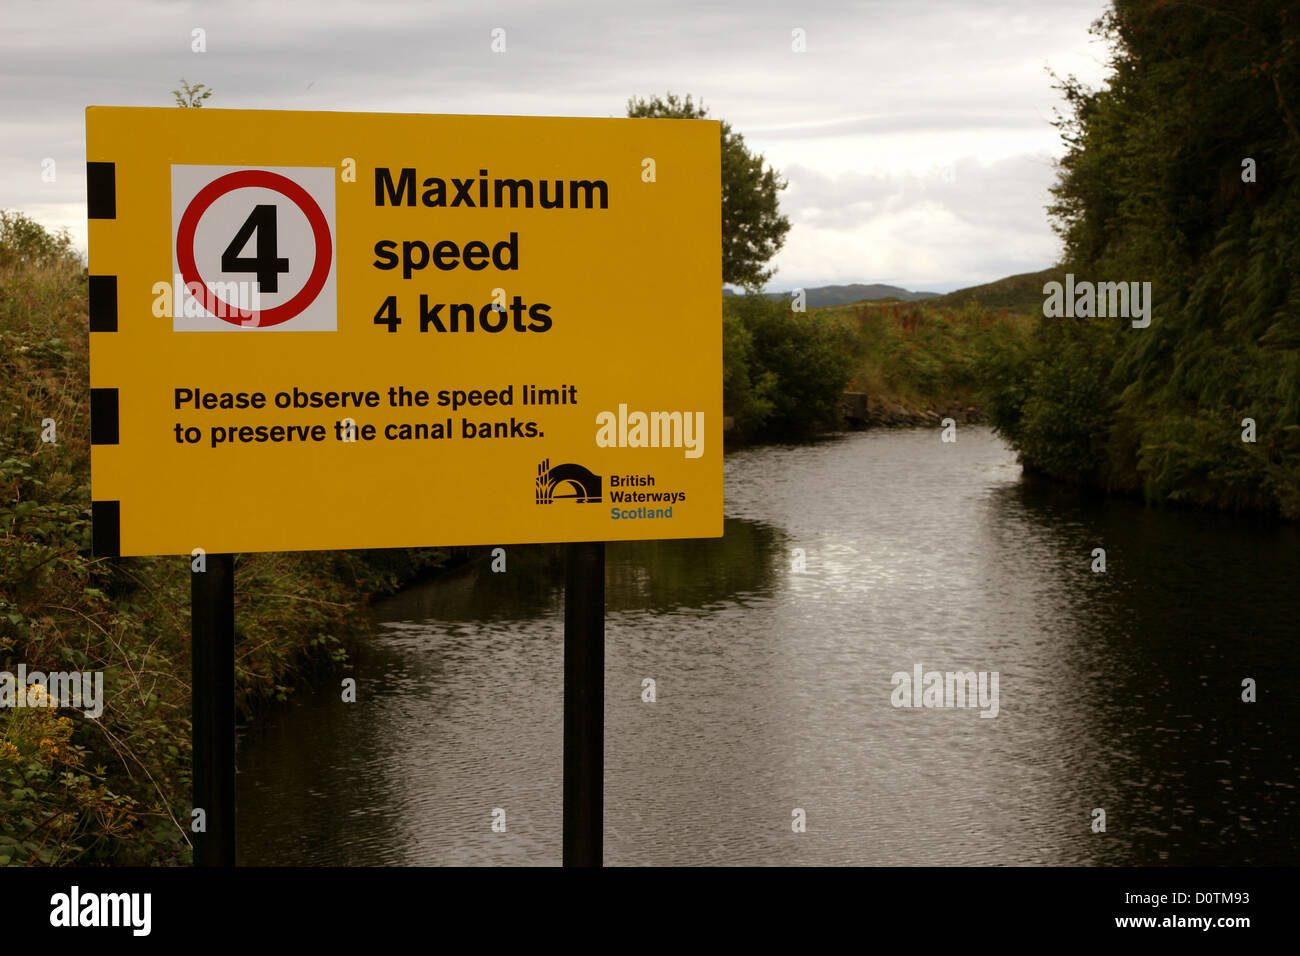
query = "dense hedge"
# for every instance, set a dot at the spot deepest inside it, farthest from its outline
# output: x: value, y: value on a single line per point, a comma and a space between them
x: 1153, y: 188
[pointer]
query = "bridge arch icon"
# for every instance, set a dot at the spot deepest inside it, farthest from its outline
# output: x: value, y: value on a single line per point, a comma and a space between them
x: 567, y: 482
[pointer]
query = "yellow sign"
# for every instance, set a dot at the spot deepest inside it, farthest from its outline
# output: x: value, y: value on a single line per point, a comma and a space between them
x: 338, y: 330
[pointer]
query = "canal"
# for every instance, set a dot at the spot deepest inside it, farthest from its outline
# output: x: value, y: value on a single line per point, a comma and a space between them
x: 772, y: 651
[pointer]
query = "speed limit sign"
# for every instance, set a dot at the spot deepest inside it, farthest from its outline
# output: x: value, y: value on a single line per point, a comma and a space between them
x: 487, y: 357
x: 253, y: 248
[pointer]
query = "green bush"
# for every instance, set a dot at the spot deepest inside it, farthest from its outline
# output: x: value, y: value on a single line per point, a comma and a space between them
x: 116, y: 788
x: 1066, y: 410
x: 1152, y: 188
x: 25, y: 242
x: 745, y: 388
x: 794, y: 370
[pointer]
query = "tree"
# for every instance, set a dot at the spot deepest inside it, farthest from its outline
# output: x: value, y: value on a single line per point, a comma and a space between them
x: 1181, y: 171
x: 191, y: 97
x: 753, y: 229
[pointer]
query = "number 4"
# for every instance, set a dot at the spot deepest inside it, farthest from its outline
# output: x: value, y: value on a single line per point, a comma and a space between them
x: 387, y: 314
x: 265, y: 265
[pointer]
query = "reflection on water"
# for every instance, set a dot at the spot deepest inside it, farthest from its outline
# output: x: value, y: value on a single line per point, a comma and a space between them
x: 1119, y: 691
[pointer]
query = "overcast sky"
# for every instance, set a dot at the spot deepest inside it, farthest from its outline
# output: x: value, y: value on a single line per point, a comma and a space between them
x: 915, y: 135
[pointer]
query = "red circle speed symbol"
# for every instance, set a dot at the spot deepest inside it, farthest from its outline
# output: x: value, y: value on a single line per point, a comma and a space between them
x: 277, y: 183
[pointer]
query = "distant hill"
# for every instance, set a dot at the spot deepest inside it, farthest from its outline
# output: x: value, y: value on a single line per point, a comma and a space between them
x: 841, y: 294
x: 1018, y: 293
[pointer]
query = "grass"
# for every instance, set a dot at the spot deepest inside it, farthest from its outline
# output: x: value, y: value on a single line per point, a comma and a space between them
x: 926, y: 354
x: 1016, y: 294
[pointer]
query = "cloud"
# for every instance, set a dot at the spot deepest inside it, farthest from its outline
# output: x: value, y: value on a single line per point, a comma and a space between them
x: 887, y: 94
x: 934, y: 229
x: 1011, y: 191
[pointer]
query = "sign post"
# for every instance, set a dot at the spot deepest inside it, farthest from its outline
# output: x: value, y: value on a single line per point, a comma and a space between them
x: 584, y: 703
x: 212, y: 654
x: 359, y: 330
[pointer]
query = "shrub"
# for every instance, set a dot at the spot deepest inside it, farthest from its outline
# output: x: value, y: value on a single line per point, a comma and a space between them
x: 799, y: 364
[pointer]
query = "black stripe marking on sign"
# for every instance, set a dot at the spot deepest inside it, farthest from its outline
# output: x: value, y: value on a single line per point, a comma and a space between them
x: 103, y: 303
x: 106, y: 528
x: 101, y: 190
x: 103, y: 416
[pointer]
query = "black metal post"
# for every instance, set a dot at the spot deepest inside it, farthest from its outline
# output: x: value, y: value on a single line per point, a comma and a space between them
x: 584, y: 703
x: 212, y: 653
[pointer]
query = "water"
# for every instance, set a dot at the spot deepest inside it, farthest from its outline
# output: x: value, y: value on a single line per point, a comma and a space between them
x: 1119, y: 691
